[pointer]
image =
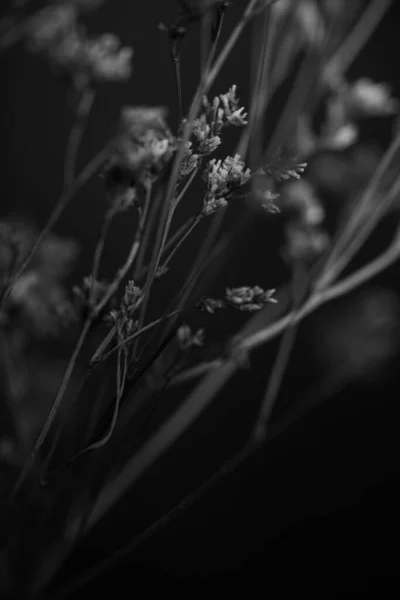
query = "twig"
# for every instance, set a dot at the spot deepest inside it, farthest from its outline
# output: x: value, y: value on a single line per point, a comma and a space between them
x: 178, y: 245
x: 75, y: 137
x: 123, y: 271
x: 358, y: 37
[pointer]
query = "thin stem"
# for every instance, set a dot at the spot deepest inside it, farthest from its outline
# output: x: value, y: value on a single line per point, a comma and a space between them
x: 178, y: 245
x: 177, y: 69
x: 123, y: 271
x: 260, y: 95
x: 76, y: 134
x: 207, y: 80
x: 317, y: 299
x: 358, y: 37
x: 54, y: 409
x: 95, y: 267
x: 134, y: 336
x: 357, y: 216
x: 282, y: 358
x: 372, y: 220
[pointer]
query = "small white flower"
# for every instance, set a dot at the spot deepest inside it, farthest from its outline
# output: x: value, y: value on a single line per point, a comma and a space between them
x: 372, y: 98
x: 344, y: 137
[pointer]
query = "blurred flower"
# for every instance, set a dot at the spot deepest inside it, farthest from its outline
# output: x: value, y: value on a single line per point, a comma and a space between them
x: 283, y: 166
x: 187, y: 339
x: 38, y: 296
x: 43, y: 305
x: 55, y: 32
x: 267, y: 199
x: 49, y: 26
x: 304, y: 243
x: 372, y: 99
x: 89, y: 293
x: 299, y: 196
x: 342, y: 138
x: 364, y: 335
x: 311, y: 21
x: 106, y: 60
x: 144, y: 146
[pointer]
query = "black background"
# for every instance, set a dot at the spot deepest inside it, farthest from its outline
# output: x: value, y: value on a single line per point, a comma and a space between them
x: 318, y: 508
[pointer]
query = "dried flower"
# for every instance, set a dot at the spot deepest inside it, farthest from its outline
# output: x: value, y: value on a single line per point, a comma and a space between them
x: 247, y: 298
x: 222, y: 178
x: 232, y: 113
x: 210, y: 304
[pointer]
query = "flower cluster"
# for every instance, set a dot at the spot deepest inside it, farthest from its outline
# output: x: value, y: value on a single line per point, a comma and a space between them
x: 123, y: 317
x: 223, y: 111
x: 247, y: 298
x: 55, y: 32
x: 223, y: 177
x: 244, y: 298
x: 143, y: 147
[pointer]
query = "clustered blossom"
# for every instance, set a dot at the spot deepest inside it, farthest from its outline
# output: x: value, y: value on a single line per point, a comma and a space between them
x: 55, y: 32
x: 247, y: 298
x: 243, y: 298
x: 143, y: 147
x: 223, y: 177
x: 130, y: 302
x: 187, y: 339
x: 223, y: 111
